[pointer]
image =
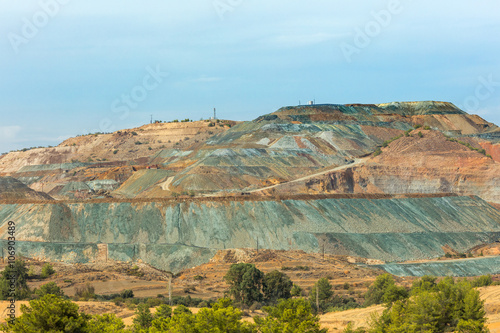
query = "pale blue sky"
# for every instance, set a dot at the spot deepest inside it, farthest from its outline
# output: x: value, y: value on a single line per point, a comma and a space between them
x: 67, y: 69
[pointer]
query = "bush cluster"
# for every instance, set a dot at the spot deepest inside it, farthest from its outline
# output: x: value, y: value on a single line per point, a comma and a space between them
x: 429, y: 306
x: 471, y: 147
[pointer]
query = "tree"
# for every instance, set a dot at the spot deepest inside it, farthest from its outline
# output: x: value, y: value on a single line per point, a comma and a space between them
x: 163, y: 311
x: 47, y: 270
x: 182, y: 322
x: 296, y: 291
x: 473, y: 307
x: 106, y: 323
x: 276, y: 285
x: 290, y: 316
x: 482, y: 281
x: 182, y: 309
x: 394, y: 293
x: 425, y: 283
x: 143, y: 317
x: 384, y: 290
x: 127, y: 293
x: 222, y: 317
x: 49, y: 314
x: 18, y: 273
x: 324, y: 290
x: 49, y: 288
x: 443, y: 307
x: 245, y: 282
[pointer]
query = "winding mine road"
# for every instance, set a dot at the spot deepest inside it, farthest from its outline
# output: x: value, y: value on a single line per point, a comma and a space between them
x: 357, y: 161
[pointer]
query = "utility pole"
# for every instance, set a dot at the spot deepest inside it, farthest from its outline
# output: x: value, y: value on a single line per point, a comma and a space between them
x: 170, y: 290
x: 170, y: 275
x: 151, y: 119
x: 215, y: 114
x: 257, y: 244
x: 323, y: 250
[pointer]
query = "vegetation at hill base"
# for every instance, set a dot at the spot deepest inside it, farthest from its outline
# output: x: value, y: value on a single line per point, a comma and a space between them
x: 56, y: 314
x: 448, y: 305
x: 429, y: 306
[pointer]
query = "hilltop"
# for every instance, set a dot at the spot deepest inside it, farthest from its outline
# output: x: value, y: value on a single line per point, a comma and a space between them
x: 221, y: 157
x: 391, y: 182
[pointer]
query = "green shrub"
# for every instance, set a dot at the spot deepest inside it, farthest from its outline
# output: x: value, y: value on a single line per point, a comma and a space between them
x: 482, y: 281
x: 384, y: 290
x: 443, y: 307
x: 293, y: 315
x: 154, y: 302
x: 143, y: 317
x: 49, y: 288
x: 276, y: 285
x: 47, y: 270
x: 127, y: 293
x: 49, y: 314
x: 87, y: 292
x: 296, y: 291
x: 321, y: 291
x: 245, y: 282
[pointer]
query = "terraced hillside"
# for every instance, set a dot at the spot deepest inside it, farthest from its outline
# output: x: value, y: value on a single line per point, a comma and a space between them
x: 178, y: 234
x: 173, y: 194
x: 215, y: 158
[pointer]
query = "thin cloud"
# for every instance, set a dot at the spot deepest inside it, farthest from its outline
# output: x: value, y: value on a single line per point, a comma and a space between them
x: 9, y: 133
x: 205, y: 79
x: 301, y: 40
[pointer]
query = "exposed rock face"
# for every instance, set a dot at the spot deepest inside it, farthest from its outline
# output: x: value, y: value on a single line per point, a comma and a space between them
x: 13, y: 189
x: 492, y: 149
x: 124, y: 145
x: 468, y: 267
x: 296, y: 150
x: 414, y: 164
x: 276, y: 148
x: 174, y: 235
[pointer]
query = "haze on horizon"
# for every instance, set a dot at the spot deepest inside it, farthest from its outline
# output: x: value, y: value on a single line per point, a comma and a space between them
x: 69, y: 68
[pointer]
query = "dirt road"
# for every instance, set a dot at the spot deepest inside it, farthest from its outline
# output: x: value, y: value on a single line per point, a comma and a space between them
x: 357, y: 161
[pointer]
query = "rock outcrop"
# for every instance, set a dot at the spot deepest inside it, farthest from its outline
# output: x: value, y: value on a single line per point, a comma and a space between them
x: 175, y: 235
